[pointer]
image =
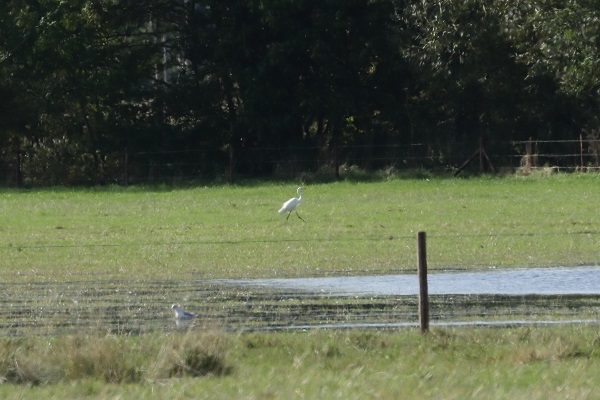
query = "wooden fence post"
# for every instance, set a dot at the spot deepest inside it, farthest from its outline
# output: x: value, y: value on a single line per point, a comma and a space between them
x: 231, y: 176
x: 482, y: 156
x: 126, y: 178
x: 422, y: 274
x: 18, y: 173
x: 581, y: 151
x: 529, y: 160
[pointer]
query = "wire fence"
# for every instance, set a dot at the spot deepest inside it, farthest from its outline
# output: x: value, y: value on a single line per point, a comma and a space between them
x: 40, y: 166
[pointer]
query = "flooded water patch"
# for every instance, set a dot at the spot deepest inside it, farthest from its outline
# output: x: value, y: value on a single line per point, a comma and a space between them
x: 519, y: 281
x: 494, y: 297
x: 439, y: 324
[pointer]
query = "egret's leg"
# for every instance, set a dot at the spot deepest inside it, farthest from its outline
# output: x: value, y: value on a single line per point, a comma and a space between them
x: 288, y: 217
x: 299, y: 216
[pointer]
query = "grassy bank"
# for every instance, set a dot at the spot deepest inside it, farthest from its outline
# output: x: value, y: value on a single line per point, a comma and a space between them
x: 234, y: 231
x: 451, y: 364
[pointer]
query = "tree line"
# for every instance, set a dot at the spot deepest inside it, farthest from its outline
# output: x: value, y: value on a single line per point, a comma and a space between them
x: 84, y: 81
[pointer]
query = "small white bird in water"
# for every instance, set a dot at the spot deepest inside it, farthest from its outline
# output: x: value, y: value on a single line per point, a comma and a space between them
x: 291, y: 205
x: 180, y: 313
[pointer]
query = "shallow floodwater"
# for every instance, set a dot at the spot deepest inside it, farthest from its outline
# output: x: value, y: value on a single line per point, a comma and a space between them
x: 519, y: 281
x: 491, y: 297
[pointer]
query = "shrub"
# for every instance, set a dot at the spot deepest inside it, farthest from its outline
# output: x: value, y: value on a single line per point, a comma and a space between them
x: 17, y: 365
x: 108, y: 358
x: 196, y: 354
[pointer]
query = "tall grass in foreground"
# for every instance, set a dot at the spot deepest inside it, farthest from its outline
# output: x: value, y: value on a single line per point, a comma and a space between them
x: 112, y: 359
x: 447, y: 363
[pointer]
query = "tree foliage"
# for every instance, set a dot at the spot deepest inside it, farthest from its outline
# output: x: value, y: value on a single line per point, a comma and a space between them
x: 96, y: 77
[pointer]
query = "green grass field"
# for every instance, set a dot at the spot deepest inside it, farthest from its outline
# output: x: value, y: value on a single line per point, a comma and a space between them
x: 149, y: 234
x: 352, y: 228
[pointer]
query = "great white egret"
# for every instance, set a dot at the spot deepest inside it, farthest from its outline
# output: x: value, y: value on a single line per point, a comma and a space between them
x: 181, y: 313
x: 291, y: 205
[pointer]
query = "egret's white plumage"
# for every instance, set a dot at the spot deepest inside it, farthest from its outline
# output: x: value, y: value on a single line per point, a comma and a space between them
x: 291, y: 205
x: 181, y: 313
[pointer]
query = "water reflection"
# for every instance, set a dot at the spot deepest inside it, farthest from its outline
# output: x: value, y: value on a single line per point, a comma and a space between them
x: 183, y: 323
x: 519, y: 281
x: 392, y: 325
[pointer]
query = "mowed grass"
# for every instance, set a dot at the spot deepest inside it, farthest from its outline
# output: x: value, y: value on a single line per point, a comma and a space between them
x: 351, y: 228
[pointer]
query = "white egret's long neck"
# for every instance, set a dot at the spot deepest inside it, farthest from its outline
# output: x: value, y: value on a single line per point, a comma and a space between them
x: 299, y: 194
